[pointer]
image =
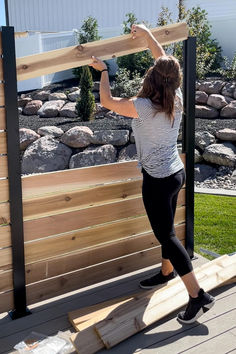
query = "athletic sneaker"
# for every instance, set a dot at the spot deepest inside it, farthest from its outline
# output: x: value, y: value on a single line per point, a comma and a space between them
x: 196, y: 307
x: 157, y: 279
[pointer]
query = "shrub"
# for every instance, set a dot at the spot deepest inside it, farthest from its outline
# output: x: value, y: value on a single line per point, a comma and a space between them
x: 137, y: 62
x: 124, y: 86
x: 229, y: 69
x: 86, y: 102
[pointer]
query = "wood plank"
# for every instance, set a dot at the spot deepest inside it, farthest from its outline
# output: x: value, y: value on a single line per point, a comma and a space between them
x: 4, y: 213
x: 6, y: 301
x: 6, y: 281
x: 3, y: 167
x: 1, y: 70
x: 74, y: 220
x: 4, y: 190
x: 3, y: 142
x: 70, y: 57
x: 2, y: 95
x: 2, y: 118
x: 137, y: 315
x: 5, y: 258
x: 5, y: 236
x: 81, y: 278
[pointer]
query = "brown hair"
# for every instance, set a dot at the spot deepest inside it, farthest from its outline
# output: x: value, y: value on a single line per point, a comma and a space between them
x: 160, y: 83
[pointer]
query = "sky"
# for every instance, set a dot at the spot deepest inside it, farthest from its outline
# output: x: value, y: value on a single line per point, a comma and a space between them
x: 2, y: 13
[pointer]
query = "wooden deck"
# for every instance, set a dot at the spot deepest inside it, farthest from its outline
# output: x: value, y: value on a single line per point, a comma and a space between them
x: 214, y: 333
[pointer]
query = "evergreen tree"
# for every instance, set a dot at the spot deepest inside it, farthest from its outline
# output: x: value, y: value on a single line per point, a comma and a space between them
x: 86, y: 102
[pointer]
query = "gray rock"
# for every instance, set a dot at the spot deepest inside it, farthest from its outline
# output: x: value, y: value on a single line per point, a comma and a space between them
x: 94, y: 156
x: 27, y: 137
x: 45, y: 155
x: 221, y: 154
x: 228, y: 89
x: 203, y: 172
x: 51, y: 108
x: 228, y: 99
x: 22, y: 102
x: 205, y: 112
x: 229, y: 111
x: 68, y: 110
x: 131, y: 138
x: 73, y: 89
x: 20, y: 110
x: 73, y: 96
x: 201, y: 97
x: 217, y: 101
x: 211, y: 86
x: 226, y: 134
x: 128, y: 153
x: 57, y: 96
x: 96, y: 86
x: 41, y: 95
x: 100, y: 111
x: 197, y: 156
x: 235, y: 94
x: 77, y: 137
x: 114, y: 137
x: 32, y: 107
x: 233, y: 176
x: 50, y: 130
x: 203, y: 139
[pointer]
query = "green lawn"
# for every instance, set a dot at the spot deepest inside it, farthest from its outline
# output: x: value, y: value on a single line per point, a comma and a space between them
x: 215, y: 224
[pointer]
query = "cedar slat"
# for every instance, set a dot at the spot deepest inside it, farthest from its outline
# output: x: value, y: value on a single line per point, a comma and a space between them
x: 92, y: 275
x: 1, y: 70
x: 5, y: 236
x: 70, y: 57
x: 3, y: 167
x: 6, y: 302
x: 74, y: 220
x: 4, y: 190
x: 6, y: 281
x: 4, y: 212
x: 3, y: 142
x: 5, y: 258
x: 2, y: 95
x: 2, y: 118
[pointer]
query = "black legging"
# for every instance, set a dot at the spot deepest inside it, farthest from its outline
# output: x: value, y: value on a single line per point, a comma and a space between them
x: 160, y: 199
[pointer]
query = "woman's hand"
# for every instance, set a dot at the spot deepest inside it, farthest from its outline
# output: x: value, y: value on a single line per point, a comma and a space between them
x: 98, y: 64
x: 139, y: 31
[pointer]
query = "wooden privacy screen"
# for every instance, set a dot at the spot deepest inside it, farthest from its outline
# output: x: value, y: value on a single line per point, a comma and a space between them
x: 84, y: 226
x: 6, y: 298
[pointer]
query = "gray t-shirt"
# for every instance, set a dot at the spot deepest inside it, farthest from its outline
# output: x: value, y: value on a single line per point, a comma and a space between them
x: 156, y: 137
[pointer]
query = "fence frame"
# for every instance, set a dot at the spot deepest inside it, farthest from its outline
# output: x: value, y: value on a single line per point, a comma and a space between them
x: 14, y: 166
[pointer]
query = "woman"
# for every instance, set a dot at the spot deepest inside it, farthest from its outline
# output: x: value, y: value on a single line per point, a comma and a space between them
x: 157, y: 112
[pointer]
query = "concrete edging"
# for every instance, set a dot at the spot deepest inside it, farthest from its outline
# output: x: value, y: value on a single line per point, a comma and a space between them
x: 224, y: 192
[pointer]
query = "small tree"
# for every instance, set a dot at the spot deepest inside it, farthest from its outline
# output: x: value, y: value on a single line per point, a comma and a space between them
x: 137, y: 62
x: 86, y: 102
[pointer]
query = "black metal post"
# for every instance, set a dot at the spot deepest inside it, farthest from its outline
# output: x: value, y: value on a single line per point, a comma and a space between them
x: 188, y: 136
x: 14, y: 172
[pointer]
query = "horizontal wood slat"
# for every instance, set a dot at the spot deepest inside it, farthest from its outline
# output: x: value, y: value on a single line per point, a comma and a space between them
x: 92, y: 275
x: 4, y: 190
x: 3, y: 167
x: 3, y: 142
x: 6, y: 302
x: 2, y: 95
x: 4, y: 213
x: 5, y: 236
x: 5, y: 258
x: 1, y: 70
x: 70, y: 57
x: 2, y: 118
x: 72, y: 241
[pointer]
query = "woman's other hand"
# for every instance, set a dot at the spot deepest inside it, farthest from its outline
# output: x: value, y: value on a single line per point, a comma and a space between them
x: 139, y: 31
x: 98, y: 64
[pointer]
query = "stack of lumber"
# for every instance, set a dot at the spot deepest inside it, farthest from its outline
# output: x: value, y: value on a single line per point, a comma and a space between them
x: 107, y: 324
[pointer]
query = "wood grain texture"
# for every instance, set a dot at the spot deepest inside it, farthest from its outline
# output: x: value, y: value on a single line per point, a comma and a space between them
x: 6, y: 281
x: 5, y: 236
x: 6, y: 301
x: 1, y: 70
x: 3, y: 142
x: 2, y: 95
x: 3, y: 167
x: 70, y: 57
x: 4, y: 190
x: 2, y: 118
x: 5, y: 258
x: 4, y: 213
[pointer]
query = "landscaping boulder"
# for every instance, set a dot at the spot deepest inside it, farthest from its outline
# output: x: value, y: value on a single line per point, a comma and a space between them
x: 217, y: 101
x: 73, y: 89
x: 51, y: 108
x: 41, y: 95
x: 51, y: 131
x: 132, y: 140
x: 45, y: 155
x: 32, y: 107
x: 114, y: 137
x: 20, y: 110
x: 57, y: 96
x: 233, y: 176
x: 22, y: 102
x: 211, y: 86
x: 221, y: 154
x: 100, y: 111
x: 226, y: 134
x: 229, y: 111
x: 229, y: 89
x: 94, y: 156
x: 77, y: 137
x: 197, y: 156
x: 27, y: 137
x: 205, y: 112
x: 68, y: 110
x: 203, y: 172
x: 203, y: 139
x: 74, y: 95
x: 201, y: 97
x: 128, y: 153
